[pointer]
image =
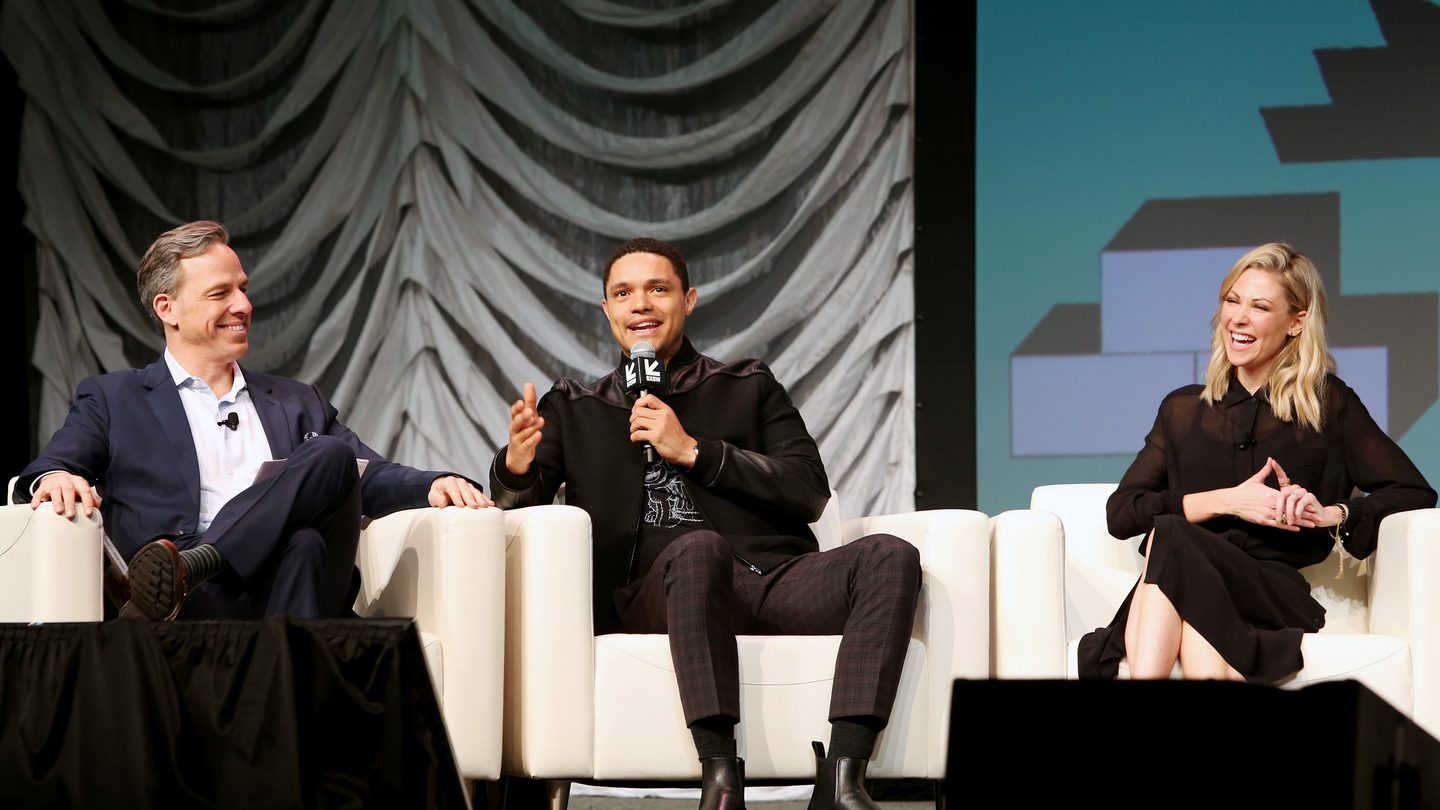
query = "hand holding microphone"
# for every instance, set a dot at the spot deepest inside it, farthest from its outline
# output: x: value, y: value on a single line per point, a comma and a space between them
x: 652, y: 422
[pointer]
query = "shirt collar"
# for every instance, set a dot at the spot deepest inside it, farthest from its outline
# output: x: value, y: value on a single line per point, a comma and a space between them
x: 183, y: 378
x: 1237, y: 395
x: 683, y: 355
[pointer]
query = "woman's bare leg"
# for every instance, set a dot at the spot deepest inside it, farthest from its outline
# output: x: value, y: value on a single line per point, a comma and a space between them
x: 1152, y: 629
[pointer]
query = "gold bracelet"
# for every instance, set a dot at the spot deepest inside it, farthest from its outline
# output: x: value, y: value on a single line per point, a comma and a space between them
x: 1339, y: 544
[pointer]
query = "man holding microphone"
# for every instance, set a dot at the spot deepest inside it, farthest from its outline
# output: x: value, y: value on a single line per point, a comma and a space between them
x: 707, y: 535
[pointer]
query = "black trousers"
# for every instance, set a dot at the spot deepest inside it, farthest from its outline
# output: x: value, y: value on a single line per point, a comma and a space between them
x: 289, y: 539
x: 703, y: 596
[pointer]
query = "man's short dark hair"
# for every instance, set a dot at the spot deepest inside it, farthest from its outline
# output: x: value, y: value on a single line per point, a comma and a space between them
x: 645, y: 244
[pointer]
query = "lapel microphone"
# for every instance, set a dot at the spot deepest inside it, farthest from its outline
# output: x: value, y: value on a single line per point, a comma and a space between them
x: 231, y: 420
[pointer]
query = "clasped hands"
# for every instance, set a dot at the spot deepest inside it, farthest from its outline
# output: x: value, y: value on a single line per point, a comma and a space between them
x: 651, y: 421
x: 1291, y: 507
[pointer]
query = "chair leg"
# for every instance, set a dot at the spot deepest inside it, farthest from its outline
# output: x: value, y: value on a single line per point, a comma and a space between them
x: 559, y: 790
x: 939, y: 794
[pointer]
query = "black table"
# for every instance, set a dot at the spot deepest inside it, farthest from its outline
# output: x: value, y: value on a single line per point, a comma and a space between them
x: 273, y: 713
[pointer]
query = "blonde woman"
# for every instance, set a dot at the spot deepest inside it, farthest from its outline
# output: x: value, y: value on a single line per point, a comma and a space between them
x: 1245, y: 480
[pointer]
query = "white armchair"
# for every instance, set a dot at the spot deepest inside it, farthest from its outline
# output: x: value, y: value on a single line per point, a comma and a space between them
x: 579, y: 706
x: 50, y: 566
x: 445, y: 568
x: 442, y: 567
x: 1382, y: 630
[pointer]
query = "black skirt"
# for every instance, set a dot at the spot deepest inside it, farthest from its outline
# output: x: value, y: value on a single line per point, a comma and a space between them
x: 1252, y: 611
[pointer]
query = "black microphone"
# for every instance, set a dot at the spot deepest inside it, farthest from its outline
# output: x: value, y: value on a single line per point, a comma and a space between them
x: 644, y: 374
x: 231, y: 420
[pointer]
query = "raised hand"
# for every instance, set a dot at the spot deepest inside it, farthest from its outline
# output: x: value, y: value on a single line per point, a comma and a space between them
x: 525, y: 426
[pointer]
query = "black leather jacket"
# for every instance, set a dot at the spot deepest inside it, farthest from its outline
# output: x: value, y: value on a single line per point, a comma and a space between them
x: 758, y: 479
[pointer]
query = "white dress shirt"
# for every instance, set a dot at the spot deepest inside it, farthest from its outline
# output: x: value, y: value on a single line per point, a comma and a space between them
x: 229, y: 459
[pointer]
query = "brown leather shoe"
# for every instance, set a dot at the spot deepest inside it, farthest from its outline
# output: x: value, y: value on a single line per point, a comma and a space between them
x: 158, y: 583
x: 117, y: 586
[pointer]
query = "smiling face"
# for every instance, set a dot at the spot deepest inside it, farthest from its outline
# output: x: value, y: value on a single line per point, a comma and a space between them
x: 644, y: 301
x: 1257, y: 320
x: 207, y: 318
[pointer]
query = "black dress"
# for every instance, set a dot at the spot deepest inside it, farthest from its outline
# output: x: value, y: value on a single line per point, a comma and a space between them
x: 1237, y: 583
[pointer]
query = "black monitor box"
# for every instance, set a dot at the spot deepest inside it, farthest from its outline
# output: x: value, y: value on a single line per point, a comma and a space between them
x: 1185, y: 744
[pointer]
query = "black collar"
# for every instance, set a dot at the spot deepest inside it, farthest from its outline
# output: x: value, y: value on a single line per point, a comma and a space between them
x: 684, y: 356
x: 1237, y: 395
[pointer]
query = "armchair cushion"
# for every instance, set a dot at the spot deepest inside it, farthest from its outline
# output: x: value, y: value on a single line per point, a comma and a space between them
x: 578, y: 706
x: 784, y: 680
x: 445, y: 568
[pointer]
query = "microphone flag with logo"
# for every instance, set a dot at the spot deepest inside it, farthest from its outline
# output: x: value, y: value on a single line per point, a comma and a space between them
x: 644, y: 373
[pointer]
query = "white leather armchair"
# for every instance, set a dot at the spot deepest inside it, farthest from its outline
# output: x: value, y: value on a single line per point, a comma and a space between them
x: 50, y: 566
x: 442, y: 567
x: 1382, y: 630
x: 578, y: 706
x: 445, y: 568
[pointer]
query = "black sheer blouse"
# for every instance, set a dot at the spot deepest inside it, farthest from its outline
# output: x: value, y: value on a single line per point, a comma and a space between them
x: 1197, y: 447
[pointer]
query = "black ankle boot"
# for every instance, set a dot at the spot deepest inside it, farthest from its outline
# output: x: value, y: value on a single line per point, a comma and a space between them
x: 840, y: 783
x: 722, y: 783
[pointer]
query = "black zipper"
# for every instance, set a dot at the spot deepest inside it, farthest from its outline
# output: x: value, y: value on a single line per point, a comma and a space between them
x: 635, y: 534
x: 752, y: 566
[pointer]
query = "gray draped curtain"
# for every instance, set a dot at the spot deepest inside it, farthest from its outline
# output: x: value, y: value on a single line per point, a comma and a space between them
x: 424, y: 192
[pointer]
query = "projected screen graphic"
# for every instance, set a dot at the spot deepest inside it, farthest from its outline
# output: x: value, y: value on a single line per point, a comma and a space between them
x: 1150, y: 333
x: 1120, y: 179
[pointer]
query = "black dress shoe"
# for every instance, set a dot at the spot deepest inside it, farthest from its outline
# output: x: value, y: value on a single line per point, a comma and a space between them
x: 722, y: 783
x: 840, y: 783
x: 158, y: 583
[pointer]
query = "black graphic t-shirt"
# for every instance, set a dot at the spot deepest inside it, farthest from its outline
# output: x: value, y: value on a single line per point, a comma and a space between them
x: 668, y: 512
x: 667, y: 502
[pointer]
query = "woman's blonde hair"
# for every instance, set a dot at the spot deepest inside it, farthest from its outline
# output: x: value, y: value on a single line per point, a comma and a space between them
x: 1296, y: 386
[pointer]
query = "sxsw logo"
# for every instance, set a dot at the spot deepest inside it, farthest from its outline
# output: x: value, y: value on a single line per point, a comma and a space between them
x: 644, y: 372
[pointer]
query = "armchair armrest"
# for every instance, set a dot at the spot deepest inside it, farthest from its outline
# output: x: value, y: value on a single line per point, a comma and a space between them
x: 953, y: 615
x: 1028, y: 553
x: 549, y: 643
x: 1405, y: 604
x: 50, y: 566
x: 445, y: 568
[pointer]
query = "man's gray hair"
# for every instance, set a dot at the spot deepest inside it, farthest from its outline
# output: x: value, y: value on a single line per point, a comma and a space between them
x: 159, y: 272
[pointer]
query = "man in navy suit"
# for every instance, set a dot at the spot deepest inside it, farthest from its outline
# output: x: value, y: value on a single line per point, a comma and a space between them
x: 177, y: 447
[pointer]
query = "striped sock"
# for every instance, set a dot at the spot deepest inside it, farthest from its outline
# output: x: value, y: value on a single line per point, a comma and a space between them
x: 202, y: 563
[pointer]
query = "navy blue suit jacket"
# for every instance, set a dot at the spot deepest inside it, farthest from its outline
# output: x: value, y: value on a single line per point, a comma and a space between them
x: 127, y: 433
